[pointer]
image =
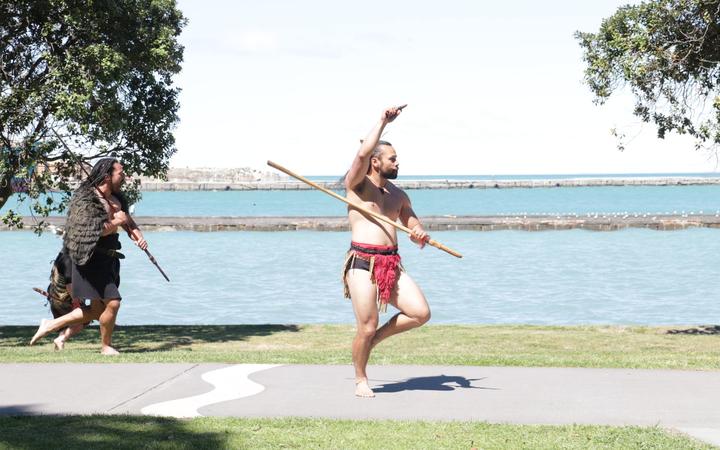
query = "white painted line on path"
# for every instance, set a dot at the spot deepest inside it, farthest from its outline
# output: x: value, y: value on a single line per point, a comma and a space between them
x: 709, y: 435
x: 230, y: 383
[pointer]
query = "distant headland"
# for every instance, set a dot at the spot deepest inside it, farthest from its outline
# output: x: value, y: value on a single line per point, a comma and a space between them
x: 230, y: 179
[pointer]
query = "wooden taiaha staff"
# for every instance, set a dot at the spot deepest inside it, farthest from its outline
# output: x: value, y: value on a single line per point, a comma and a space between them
x: 46, y: 294
x: 87, y: 174
x: 360, y: 208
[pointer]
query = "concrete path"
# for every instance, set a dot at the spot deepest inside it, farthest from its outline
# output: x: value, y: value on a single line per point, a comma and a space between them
x: 683, y: 400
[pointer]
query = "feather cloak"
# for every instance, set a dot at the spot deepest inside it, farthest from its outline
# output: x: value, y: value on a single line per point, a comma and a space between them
x: 84, y: 224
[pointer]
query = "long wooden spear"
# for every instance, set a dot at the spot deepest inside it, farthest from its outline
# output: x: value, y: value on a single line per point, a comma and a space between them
x: 361, y: 208
x: 87, y: 174
x: 45, y: 294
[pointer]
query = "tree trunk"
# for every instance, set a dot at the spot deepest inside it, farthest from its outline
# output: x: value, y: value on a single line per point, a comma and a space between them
x: 5, y: 190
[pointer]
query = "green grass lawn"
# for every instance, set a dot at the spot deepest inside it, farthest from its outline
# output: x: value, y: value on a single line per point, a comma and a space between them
x: 696, y: 348
x: 133, y: 432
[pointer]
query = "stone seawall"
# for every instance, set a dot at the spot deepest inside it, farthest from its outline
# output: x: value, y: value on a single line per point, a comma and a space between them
x: 428, y: 184
x: 431, y: 223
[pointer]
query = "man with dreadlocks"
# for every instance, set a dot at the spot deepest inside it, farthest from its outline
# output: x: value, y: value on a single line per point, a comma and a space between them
x: 97, y: 210
x: 372, y: 273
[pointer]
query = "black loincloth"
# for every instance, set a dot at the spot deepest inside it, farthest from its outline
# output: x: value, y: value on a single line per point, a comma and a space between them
x: 99, y: 278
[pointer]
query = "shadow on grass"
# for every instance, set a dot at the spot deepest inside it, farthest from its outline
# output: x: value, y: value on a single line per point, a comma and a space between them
x: 101, y: 432
x: 153, y: 338
x: 436, y: 383
x: 702, y: 329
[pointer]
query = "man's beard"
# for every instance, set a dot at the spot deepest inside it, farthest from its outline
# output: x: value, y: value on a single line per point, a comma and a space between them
x: 389, y: 174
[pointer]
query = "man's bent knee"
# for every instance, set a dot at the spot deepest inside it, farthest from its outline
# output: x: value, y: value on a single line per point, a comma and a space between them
x: 422, y: 317
x: 367, y: 331
x: 112, y: 305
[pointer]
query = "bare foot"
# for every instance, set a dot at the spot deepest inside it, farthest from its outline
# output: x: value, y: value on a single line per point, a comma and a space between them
x: 59, y: 343
x: 109, y: 351
x: 42, y: 330
x: 363, y: 390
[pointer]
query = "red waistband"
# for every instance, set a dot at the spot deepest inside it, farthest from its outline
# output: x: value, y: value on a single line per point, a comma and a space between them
x: 374, y: 247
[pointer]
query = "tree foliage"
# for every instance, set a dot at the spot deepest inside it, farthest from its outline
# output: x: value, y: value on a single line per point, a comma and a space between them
x: 92, y: 76
x: 668, y: 53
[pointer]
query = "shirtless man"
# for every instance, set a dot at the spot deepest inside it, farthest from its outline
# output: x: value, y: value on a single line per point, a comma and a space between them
x: 97, y: 210
x: 372, y: 273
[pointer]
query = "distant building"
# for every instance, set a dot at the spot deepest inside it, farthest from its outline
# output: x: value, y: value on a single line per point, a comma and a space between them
x: 21, y: 184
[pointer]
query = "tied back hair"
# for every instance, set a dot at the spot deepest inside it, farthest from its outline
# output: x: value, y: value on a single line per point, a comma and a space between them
x: 375, y: 154
x: 377, y: 150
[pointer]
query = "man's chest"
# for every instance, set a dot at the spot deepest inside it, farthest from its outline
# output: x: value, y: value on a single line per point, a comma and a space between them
x: 111, y: 205
x: 385, y: 203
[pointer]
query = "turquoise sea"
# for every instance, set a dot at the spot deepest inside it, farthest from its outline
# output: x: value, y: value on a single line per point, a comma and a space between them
x: 552, y: 277
x: 566, y: 200
x: 495, y: 177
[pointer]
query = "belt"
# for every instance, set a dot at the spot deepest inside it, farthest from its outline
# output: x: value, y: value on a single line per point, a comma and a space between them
x: 374, y: 251
x: 110, y: 252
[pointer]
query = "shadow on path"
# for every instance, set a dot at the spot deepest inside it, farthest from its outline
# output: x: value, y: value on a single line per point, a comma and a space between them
x: 19, y: 410
x: 434, y: 383
x: 701, y: 329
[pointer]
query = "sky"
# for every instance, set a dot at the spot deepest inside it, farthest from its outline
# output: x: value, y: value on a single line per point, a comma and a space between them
x: 492, y: 88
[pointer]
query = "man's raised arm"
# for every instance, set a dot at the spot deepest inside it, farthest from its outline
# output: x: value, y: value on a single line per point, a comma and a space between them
x: 360, y: 164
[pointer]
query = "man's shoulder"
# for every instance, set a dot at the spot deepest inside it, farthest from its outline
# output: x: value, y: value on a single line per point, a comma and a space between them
x: 396, y: 190
x: 359, y: 186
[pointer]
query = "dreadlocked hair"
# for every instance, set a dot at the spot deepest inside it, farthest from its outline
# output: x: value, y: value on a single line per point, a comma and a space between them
x: 101, y: 168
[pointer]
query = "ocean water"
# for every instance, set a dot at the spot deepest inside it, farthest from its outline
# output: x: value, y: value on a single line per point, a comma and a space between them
x: 566, y: 200
x: 495, y: 177
x: 631, y: 276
